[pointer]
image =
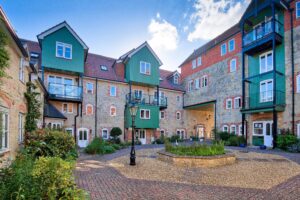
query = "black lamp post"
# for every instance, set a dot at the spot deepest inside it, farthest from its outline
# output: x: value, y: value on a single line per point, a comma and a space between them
x: 133, y: 111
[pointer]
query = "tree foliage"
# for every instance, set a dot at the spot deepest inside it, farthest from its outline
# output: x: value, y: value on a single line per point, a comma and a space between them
x: 4, y: 56
x: 33, y: 105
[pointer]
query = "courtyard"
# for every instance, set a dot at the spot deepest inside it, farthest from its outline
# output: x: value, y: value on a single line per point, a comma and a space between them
x: 268, y: 174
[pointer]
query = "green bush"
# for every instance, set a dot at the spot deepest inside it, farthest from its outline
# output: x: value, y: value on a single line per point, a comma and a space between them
x: 286, y: 141
x: 235, y: 140
x: 115, y: 133
x: 50, y: 143
x: 175, y: 138
x: 98, y: 146
x: 196, y: 149
x: 223, y: 136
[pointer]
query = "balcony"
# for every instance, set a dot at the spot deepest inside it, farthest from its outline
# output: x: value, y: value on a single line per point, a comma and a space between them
x: 260, y: 37
x: 62, y: 92
x: 162, y: 102
x: 263, y: 101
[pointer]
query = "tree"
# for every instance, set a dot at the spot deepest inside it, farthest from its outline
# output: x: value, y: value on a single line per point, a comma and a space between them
x: 4, y: 56
x: 33, y: 106
x: 115, y: 133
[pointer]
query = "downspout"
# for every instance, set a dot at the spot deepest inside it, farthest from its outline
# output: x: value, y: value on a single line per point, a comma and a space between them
x: 243, y: 88
x: 77, y: 114
x: 293, y: 69
x: 96, y: 107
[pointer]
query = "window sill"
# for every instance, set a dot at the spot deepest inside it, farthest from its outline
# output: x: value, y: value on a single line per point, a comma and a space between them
x: 4, y: 151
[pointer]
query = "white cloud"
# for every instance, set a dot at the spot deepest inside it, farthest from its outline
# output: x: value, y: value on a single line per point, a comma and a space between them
x: 164, y: 36
x: 158, y: 15
x: 211, y: 17
x: 185, y: 28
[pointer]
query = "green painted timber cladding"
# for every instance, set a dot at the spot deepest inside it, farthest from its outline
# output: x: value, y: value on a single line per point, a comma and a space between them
x: 133, y: 68
x: 76, y: 64
x: 153, y: 122
x: 254, y: 69
x: 258, y: 140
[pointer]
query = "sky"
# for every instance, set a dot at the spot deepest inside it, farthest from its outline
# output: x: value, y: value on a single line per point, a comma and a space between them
x: 173, y: 28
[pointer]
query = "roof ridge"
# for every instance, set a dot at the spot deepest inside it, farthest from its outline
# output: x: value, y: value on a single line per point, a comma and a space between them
x: 94, y: 54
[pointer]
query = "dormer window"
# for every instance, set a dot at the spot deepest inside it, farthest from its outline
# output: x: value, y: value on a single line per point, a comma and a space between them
x: 176, y: 79
x: 103, y: 68
x: 63, y: 50
x: 34, y: 55
x: 145, y: 68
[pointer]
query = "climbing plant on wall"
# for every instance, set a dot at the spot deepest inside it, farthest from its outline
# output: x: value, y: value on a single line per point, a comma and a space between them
x: 4, y: 56
x: 33, y: 105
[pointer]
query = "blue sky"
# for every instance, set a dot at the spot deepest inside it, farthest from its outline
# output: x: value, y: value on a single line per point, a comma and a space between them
x: 174, y: 28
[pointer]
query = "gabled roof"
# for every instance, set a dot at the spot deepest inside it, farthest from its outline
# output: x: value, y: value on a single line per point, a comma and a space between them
x: 59, y: 26
x: 168, y: 83
x: 12, y: 32
x: 51, y: 112
x: 130, y: 53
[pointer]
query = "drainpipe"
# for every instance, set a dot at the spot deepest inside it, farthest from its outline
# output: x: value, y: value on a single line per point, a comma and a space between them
x: 293, y: 69
x: 75, y: 124
x: 96, y: 107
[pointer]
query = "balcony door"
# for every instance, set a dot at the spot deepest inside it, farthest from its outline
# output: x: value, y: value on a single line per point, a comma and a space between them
x: 61, y: 86
x: 69, y: 88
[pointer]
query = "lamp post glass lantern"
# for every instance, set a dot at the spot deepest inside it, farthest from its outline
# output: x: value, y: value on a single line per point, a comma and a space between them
x: 133, y: 111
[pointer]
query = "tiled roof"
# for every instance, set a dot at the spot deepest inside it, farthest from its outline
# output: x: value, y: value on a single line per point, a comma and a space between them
x: 224, y: 36
x: 51, y: 112
x: 167, y: 82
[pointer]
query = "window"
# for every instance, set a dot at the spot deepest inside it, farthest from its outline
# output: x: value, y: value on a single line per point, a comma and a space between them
x: 298, y: 9
x: 69, y: 131
x: 240, y: 130
x: 190, y: 86
x: 225, y: 128
x: 113, y: 91
x: 113, y: 111
x: 266, y: 62
x: 162, y: 114
x: 266, y: 91
x: 89, y: 109
x: 162, y: 132
x: 138, y: 94
x: 181, y: 133
x: 144, y: 114
x: 233, y: 65
x: 237, y: 102
x: 223, y: 49
x: 233, y: 129
x: 89, y: 88
x: 103, y: 68
x: 194, y: 63
x: 231, y: 45
x: 55, y: 125
x: 67, y: 108
x: 178, y: 115
x: 199, y: 61
x: 21, y: 70
x: 258, y: 128
x: 34, y: 55
x: 105, y: 134
x: 178, y: 98
x: 145, y: 68
x: 298, y: 83
x: 298, y: 130
x: 197, y: 83
x: 21, y: 128
x: 63, y: 50
x: 204, y: 81
x: 176, y: 78
x: 228, y: 103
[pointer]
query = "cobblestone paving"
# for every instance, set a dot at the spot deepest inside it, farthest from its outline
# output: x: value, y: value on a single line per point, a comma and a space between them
x: 104, y: 182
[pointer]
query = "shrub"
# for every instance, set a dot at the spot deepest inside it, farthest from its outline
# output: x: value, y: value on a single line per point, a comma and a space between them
x: 194, y: 138
x: 98, y: 146
x: 175, y: 138
x: 160, y: 140
x: 286, y: 141
x: 235, y: 140
x: 50, y: 143
x: 197, y: 149
x: 223, y: 135
x: 115, y: 133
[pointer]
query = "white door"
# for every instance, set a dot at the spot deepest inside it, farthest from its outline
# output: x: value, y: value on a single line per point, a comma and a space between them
x: 83, y: 137
x: 142, y: 136
x: 200, y: 131
x: 268, y: 137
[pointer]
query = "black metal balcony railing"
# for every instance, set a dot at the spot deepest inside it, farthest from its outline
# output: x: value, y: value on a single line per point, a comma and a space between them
x: 262, y: 31
x: 146, y: 100
x: 264, y: 99
x: 62, y: 91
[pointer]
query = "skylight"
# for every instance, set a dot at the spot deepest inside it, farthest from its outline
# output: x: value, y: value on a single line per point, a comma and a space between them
x: 103, y: 68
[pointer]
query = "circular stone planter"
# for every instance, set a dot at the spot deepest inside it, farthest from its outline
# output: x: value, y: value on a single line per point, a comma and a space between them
x: 197, y: 161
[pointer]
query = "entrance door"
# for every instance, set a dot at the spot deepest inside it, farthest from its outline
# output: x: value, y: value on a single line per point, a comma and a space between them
x: 268, y: 137
x: 200, y: 131
x: 83, y: 137
x: 142, y: 136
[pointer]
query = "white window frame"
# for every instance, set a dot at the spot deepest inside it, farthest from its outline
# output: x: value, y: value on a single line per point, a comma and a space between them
x: 107, y: 136
x: 194, y: 64
x: 69, y: 105
x: 145, y: 115
x: 160, y: 115
x: 110, y: 91
x: 227, y: 104
x: 298, y: 130
x: 178, y: 112
x: 266, y: 99
x: 240, y: 130
x: 190, y: 85
x: 223, y: 53
x: 111, y: 107
x: 87, y: 88
x: 223, y: 128
x: 147, y: 65
x: 231, y: 127
x: 231, y: 65
x: 204, y: 81
x: 199, y: 61
x: 21, y: 70
x: 232, y: 40
x: 56, y: 124
x: 64, y: 46
x: 297, y: 9
x: 176, y: 79
x: 5, y: 115
x: 266, y: 61
x: 181, y: 133
x: 164, y: 132
x: 178, y: 98
x: 235, y: 101
x: 197, y: 83
x: 21, y: 127
x: 86, y: 110
x: 298, y: 81
x: 70, y: 129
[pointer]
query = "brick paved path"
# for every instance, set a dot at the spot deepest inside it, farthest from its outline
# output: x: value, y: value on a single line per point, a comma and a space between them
x: 104, y: 182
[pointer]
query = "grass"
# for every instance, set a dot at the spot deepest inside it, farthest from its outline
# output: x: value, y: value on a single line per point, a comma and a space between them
x: 196, y: 149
